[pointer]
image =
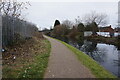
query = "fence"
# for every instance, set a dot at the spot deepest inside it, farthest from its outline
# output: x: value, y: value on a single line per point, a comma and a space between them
x: 12, y: 28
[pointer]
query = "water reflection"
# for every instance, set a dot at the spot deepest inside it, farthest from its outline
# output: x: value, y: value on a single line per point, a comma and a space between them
x: 106, y: 55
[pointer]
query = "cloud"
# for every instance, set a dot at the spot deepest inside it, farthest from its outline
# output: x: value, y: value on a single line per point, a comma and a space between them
x: 71, y: 0
x: 45, y: 13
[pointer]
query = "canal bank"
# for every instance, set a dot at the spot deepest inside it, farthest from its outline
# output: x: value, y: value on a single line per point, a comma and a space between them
x: 107, y: 40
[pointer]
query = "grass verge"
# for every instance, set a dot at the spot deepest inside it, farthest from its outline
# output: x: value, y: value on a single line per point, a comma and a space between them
x: 32, y: 65
x: 92, y: 65
x: 37, y: 69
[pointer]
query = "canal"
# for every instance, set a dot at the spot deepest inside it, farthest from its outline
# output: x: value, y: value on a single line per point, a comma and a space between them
x: 105, y: 54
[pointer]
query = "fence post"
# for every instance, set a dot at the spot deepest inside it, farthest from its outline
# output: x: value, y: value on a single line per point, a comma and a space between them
x: 0, y: 46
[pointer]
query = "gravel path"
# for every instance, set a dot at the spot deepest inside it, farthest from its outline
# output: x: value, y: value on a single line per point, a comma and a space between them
x: 64, y: 64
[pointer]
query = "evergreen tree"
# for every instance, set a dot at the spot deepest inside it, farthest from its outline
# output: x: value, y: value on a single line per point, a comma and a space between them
x: 80, y: 27
x: 57, y: 22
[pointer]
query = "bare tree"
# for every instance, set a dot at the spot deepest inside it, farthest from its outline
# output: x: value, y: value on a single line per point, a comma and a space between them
x: 67, y: 23
x: 12, y: 7
x: 78, y: 20
x: 99, y: 18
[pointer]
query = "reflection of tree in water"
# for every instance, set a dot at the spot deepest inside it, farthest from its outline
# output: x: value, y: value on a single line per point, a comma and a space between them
x: 74, y: 43
x: 99, y: 55
x: 65, y: 39
x: 77, y: 43
x: 117, y: 63
x: 90, y: 48
x: 80, y: 42
x: 98, y: 51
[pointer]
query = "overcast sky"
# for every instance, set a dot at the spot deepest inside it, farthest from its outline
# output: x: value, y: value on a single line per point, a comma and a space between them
x: 44, y: 13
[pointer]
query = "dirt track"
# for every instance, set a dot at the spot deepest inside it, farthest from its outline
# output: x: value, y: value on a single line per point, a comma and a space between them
x: 64, y: 64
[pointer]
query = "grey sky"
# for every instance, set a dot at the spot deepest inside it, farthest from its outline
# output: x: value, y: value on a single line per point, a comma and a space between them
x: 43, y: 14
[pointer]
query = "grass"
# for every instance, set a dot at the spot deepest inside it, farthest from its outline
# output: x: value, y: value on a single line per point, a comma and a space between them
x: 34, y: 67
x: 37, y: 69
x: 92, y: 65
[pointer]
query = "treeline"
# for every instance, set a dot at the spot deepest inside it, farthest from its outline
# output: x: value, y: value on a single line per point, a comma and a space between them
x: 68, y: 30
x: 14, y: 28
x: 75, y: 30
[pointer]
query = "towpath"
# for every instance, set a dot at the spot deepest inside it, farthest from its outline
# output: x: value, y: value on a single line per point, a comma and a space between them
x: 63, y: 63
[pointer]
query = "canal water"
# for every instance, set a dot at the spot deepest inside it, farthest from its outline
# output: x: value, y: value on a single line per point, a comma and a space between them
x: 106, y: 55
